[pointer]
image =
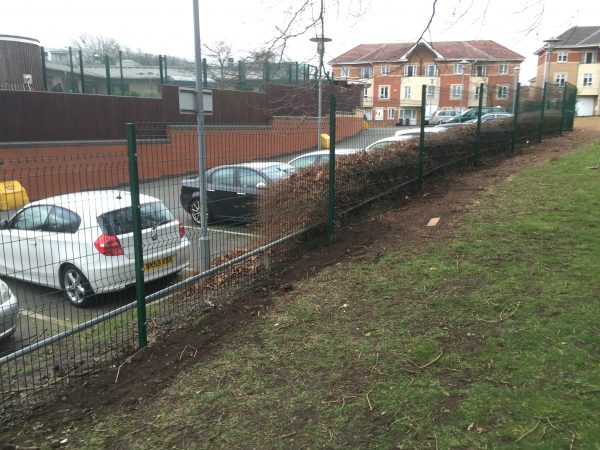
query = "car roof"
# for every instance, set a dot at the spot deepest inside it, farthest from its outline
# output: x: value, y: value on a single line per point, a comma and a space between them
x: 338, y: 151
x: 93, y: 203
x: 255, y: 165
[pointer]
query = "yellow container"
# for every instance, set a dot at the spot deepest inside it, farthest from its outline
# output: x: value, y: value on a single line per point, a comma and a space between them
x: 324, y: 140
x: 365, y: 125
x: 12, y: 195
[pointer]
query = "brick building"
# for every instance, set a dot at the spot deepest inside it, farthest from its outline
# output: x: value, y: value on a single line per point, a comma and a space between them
x: 393, y: 74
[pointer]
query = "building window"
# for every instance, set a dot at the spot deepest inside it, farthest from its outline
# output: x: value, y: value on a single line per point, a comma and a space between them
x: 384, y: 92
x: 407, y: 91
x: 479, y: 71
x: 477, y: 91
x: 366, y: 92
x: 459, y: 69
x: 503, y: 69
x: 366, y: 72
x: 391, y: 113
x: 562, y: 57
x: 502, y: 91
x: 589, y: 58
x: 560, y: 79
x: 385, y: 69
x: 456, y: 91
x: 431, y: 70
x: 430, y: 91
x: 410, y: 70
x: 587, y: 80
x: 345, y: 72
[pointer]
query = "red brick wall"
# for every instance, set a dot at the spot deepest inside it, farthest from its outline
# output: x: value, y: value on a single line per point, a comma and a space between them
x: 46, y: 170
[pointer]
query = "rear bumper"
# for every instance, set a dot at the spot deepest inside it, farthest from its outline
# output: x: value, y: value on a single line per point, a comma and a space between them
x: 115, y: 277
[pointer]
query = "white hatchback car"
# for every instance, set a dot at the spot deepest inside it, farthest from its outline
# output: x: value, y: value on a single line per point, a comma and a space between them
x: 82, y: 243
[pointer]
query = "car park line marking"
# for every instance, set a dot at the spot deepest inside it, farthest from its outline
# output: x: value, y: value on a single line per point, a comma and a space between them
x: 237, y: 233
x: 193, y: 232
x: 44, y: 318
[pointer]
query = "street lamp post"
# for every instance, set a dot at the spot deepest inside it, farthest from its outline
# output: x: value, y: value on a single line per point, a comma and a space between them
x: 464, y: 62
x: 320, y: 40
x: 550, y: 45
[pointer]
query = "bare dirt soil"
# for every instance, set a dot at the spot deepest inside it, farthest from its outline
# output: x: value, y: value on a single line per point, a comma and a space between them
x: 396, y: 224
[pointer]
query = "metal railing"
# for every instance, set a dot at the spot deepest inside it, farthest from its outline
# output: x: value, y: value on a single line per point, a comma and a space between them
x: 256, y: 214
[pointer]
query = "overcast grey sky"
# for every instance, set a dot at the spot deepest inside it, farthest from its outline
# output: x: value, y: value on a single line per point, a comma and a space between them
x: 167, y: 27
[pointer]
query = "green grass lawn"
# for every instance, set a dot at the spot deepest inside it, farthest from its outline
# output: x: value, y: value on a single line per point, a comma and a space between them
x: 490, y: 340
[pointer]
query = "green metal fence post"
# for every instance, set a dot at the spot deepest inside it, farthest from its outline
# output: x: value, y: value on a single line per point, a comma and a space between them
x: 513, y: 144
x: 44, y: 76
x: 81, y: 77
x: 421, y: 168
x: 108, y: 83
x: 563, y: 110
x: 72, y: 70
x: 478, y: 129
x: 331, y: 196
x: 204, y: 73
x: 543, y: 112
x: 160, y: 69
x: 137, y: 235
x: 289, y: 70
x: 297, y: 67
x: 121, y: 71
x: 166, y: 70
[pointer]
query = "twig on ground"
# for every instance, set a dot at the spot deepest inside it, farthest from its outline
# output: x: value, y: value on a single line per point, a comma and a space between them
x: 430, y: 362
x: 185, y: 348
x: 502, y: 319
x: 283, y: 436
x: 572, y: 441
x: 527, y: 433
x: 369, y: 401
x: 127, y: 360
x: 147, y: 425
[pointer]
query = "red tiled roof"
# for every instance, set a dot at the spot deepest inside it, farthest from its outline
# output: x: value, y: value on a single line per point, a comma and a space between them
x: 451, y: 50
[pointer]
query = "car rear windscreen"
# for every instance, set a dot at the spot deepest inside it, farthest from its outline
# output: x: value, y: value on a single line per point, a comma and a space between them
x: 120, y: 221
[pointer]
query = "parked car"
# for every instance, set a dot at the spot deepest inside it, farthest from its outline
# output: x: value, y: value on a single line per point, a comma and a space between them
x: 385, y: 142
x: 471, y: 113
x: 9, y: 311
x: 318, y: 157
x: 492, y: 116
x: 231, y: 189
x: 82, y: 243
x: 443, y: 116
x: 411, y: 132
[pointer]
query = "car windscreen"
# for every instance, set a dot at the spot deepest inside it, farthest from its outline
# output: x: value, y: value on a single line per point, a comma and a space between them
x: 279, y: 172
x: 120, y: 221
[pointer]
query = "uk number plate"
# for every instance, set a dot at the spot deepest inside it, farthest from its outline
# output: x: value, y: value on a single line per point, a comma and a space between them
x: 155, y: 264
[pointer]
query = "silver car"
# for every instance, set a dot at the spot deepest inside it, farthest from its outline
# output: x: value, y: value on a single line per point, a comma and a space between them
x: 82, y: 243
x: 9, y: 311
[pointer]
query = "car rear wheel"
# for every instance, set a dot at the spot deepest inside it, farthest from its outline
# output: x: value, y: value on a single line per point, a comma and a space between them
x: 76, y: 288
x: 195, y: 212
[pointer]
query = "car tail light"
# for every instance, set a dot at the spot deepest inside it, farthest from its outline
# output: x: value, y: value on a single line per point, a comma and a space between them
x: 108, y: 245
x: 181, y: 230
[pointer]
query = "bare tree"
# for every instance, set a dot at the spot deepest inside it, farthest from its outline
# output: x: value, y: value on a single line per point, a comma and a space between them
x: 93, y: 48
x: 221, y: 53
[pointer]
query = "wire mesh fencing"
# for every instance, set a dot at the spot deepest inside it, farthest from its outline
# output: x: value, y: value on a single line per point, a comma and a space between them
x: 125, y: 242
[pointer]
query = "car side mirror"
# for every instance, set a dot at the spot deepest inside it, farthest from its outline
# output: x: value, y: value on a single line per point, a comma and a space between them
x: 3, y: 224
x: 261, y: 185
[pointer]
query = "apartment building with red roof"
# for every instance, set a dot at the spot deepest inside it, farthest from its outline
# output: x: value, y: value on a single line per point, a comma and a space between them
x: 393, y: 75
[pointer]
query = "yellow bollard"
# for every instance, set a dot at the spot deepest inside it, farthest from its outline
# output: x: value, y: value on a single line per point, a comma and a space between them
x: 12, y: 195
x: 324, y: 140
